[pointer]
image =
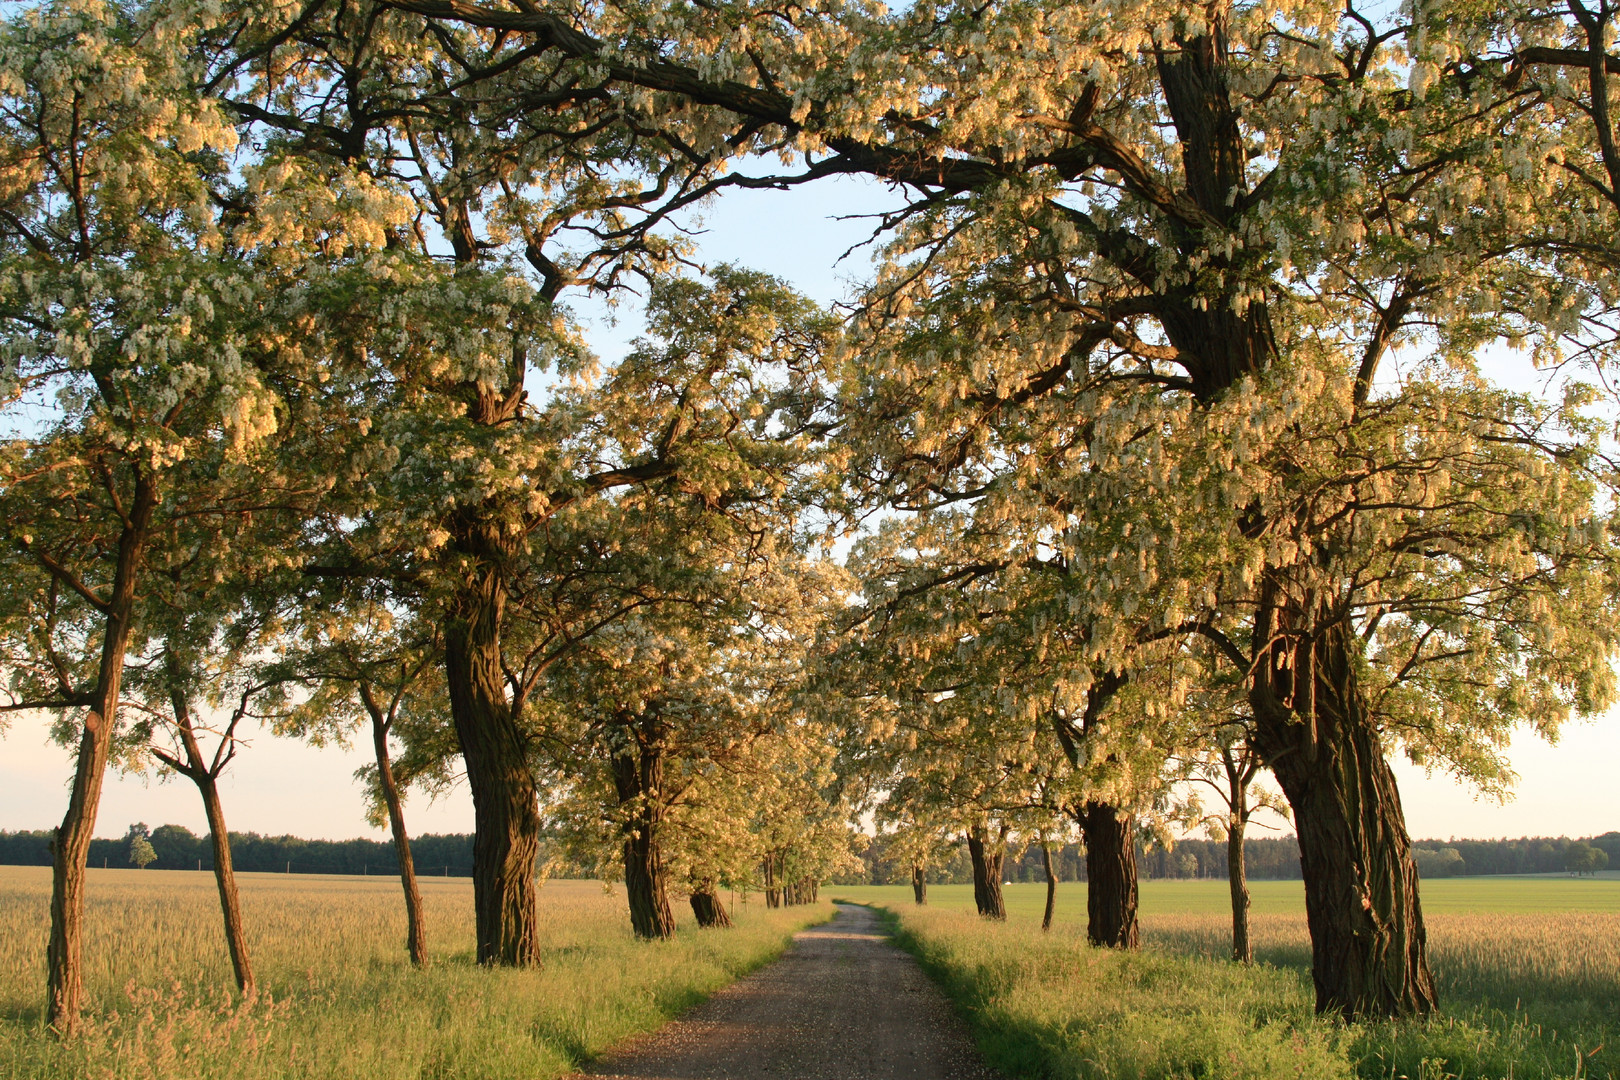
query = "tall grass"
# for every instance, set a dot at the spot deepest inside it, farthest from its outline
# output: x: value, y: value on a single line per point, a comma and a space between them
x: 1529, y: 976
x: 339, y: 999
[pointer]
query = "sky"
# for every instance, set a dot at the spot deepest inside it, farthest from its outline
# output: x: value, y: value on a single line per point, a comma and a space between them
x: 280, y: 786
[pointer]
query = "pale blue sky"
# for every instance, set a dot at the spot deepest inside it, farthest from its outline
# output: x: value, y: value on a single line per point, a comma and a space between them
x: 280, y: 786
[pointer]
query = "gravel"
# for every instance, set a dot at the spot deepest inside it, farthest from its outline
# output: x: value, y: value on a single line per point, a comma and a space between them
x: 842, y: 1004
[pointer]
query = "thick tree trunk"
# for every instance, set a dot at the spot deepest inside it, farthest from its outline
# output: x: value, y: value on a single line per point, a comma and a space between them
x: 230, y: 904
x: 638, y: 776
x: 415, y: 928
x: 1110, y: 876
x: 919, y: 883
x: 1051, y: 886
x: 709, y: 909
x: 506, y: 812
x: 1237, y: 876
x: 64, y: 951
x: 1368, y: 944
x: 986, y: 858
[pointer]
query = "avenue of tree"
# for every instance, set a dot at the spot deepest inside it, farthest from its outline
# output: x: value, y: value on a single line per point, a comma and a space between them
x: 1160, y: 426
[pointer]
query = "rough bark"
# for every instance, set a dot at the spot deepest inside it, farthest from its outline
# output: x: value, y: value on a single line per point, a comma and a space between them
x: 638, y: 776
x: 986, y: 856
x: 230, y: 904
x: 709, y: 909
x: 1237, y: 876
x: 1367, y: 935
x: 1051, y: 886
x: 415, y: 927
x: 506, y: 814
x: 1368, y: 943
x: 64, y: 951
x: 919, y: 884
x: 1110, y: 876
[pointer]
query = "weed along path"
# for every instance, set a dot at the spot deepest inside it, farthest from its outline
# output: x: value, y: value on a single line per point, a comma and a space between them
x: 843, y: 1003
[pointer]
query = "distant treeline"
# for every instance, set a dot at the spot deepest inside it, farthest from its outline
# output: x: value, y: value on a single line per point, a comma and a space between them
x: 1272, y: 858
x: 178, y: 848
x: 1268, y: 858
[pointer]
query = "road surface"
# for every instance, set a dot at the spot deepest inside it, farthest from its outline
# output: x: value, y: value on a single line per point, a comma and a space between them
x: 843, y: 1003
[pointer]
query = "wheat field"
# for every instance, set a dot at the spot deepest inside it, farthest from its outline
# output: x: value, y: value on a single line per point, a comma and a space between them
x: 340, y: 1000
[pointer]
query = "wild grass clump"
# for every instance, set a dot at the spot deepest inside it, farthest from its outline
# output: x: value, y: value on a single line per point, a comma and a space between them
x: 1530, y: 990
x: 1050, y: 1005
x: 339, y: 999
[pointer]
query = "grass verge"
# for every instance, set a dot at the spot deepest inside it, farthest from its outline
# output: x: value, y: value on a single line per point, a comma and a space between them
x: 1526, y: 996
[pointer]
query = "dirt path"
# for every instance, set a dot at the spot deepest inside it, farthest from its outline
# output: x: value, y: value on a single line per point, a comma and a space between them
x: 842, y: 1004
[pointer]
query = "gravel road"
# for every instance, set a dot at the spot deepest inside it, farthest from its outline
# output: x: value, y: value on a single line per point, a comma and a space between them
x: 842, y: 1003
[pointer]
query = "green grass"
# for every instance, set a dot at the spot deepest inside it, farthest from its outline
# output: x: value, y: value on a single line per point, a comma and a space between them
x: 1486, y: 895
x: 1528, y: 969
x: 340, y: 1000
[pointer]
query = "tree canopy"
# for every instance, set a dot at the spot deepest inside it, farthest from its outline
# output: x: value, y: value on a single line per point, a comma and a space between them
x: 1163, y: 421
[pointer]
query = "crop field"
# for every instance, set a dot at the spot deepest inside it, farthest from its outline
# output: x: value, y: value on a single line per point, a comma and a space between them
x: 341, y: 999
x: 1528, y: 971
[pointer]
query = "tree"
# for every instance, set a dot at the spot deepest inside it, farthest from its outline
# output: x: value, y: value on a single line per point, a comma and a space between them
x: 676, y: 725
x: 141, y: 853
x: 465, y: 377
x: 1582, y: 858
x: 1132, y: 212
x: 204, y: 770
x: 128, y: 302
x: 352, y: 652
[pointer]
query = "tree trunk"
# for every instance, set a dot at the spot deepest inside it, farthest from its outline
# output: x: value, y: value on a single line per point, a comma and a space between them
x: 1051, y: 886
x: 230, y: 904
x: 773, y: 893
x: 986, y: 859
x: 709, y: 909
x: 1237, y: 876
x: 1110, y: 877
x: 64, y: 952
x: 638, y: 775
x: 415, y: 929
x: 1368, y: 944
x: 205, y: 774
x: 919, y: 883
x: 506, y: 811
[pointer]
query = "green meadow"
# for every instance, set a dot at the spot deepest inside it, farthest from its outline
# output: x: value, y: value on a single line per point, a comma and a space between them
x: 1528, y: 969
